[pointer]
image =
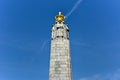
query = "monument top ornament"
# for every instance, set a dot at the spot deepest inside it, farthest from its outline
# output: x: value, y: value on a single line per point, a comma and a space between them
x: 60, y: 17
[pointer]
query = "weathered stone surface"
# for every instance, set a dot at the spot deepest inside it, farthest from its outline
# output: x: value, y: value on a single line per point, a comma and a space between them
x: 60, y: 67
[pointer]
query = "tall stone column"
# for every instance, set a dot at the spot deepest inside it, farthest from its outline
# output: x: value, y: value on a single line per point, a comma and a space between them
x: 60, y: 64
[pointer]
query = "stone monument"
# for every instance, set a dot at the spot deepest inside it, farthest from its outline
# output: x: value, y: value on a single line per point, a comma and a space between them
x: 60, y: 62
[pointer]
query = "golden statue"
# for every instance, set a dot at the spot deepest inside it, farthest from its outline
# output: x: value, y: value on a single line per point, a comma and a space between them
x: 60, y: 17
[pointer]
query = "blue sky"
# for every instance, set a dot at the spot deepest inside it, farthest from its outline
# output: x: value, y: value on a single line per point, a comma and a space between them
x: 25, y: 32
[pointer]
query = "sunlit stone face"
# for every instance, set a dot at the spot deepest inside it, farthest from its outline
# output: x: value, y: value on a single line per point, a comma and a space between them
x: 60, y: 66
